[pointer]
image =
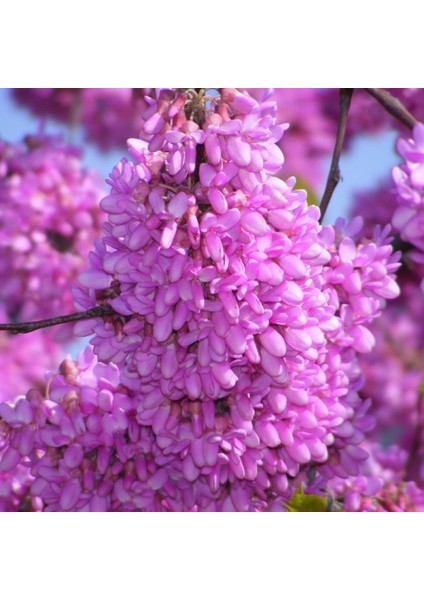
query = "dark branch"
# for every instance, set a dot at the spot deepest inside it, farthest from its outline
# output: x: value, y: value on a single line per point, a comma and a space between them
x: 334, y: 173
x: 393, y: 106
x: 97, y: 311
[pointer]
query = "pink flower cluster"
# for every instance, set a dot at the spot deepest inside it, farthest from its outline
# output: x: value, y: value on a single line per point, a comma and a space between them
x: 229, y: 371
x: 49, y: 216
x: 238, y: 319
x: 394, y: 369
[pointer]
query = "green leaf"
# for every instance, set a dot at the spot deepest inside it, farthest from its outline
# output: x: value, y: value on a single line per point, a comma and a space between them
x: 301, y: 502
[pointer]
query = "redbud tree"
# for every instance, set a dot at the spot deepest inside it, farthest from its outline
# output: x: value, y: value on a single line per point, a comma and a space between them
x: 238, y: 354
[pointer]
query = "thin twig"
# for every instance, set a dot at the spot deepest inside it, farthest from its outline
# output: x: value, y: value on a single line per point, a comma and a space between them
x: 393, y: 106
x: 97, y: 311
x: 334, y: 173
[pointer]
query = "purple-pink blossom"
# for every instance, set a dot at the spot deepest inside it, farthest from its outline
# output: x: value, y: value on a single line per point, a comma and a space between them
x: 231, y: 302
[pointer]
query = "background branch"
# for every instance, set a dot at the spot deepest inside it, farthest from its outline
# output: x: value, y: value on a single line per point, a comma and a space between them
x: 334, y: 173
x: 393, y: 106
x: 97, y: 311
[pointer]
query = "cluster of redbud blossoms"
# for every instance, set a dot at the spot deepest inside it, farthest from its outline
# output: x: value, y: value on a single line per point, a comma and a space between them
x: 228, y: 369
x: 49, y: 217
x: 391, y: 479
x: 394, y: 369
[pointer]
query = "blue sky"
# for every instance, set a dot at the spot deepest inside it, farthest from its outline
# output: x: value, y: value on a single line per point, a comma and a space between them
x: 368, y: 162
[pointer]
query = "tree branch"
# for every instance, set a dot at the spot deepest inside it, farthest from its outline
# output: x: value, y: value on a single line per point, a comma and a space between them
x: 97, y: 311
x: 393, y: 106
x: 334, y: 173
